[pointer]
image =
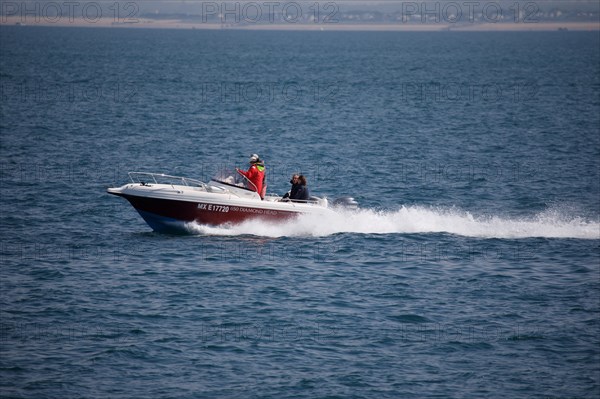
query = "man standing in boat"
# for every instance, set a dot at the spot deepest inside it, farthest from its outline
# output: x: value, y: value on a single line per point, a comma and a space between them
x: 256, y: 174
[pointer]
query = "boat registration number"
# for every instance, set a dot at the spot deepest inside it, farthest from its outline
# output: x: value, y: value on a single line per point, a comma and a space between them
x: 213, y: 208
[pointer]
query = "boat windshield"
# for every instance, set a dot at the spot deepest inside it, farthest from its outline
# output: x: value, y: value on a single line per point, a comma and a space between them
x: 233, y: 178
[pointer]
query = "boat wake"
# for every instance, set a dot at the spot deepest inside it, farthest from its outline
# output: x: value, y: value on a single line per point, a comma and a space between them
x: 552, y: 223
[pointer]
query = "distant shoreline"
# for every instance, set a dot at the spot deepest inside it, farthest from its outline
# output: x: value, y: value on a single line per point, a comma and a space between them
x: 178, y: 24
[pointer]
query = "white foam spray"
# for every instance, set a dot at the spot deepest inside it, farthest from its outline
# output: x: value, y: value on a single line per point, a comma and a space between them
x: 552, y: 223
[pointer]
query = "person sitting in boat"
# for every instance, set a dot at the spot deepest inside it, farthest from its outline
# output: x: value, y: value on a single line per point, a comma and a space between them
x: 299, y: 191
x: 256, y: 174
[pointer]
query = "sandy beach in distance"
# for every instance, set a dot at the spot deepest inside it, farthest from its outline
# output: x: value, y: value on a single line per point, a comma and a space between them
x: 178, y: 24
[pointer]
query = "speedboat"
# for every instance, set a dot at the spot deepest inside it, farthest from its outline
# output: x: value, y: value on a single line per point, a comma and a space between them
x: 169, y: 203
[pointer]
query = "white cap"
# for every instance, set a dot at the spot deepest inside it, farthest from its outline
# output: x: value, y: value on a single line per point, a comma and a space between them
x: 254, y: 158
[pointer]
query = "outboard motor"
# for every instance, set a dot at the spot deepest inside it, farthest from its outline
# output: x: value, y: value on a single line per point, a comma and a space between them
x: 346, y: 202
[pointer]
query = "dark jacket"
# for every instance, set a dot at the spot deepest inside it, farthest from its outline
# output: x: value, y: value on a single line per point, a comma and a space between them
x: 299, y: 192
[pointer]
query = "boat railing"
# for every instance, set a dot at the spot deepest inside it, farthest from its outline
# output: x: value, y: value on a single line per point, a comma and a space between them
x: 156, y: 178
x: 251, y: 185
x: 297, y: 201
x: 319, y: 201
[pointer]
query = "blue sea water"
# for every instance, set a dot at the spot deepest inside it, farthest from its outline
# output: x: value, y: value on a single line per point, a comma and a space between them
x: 471, y: 270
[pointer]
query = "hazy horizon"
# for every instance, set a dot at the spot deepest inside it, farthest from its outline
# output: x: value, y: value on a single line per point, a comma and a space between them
x: 196, y: 6
x: 305, y: 14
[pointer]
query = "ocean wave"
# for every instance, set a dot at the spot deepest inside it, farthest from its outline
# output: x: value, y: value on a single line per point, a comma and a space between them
x: 552, y: 223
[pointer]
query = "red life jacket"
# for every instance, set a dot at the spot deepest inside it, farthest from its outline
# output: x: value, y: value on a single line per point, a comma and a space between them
x: 256, y: 174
